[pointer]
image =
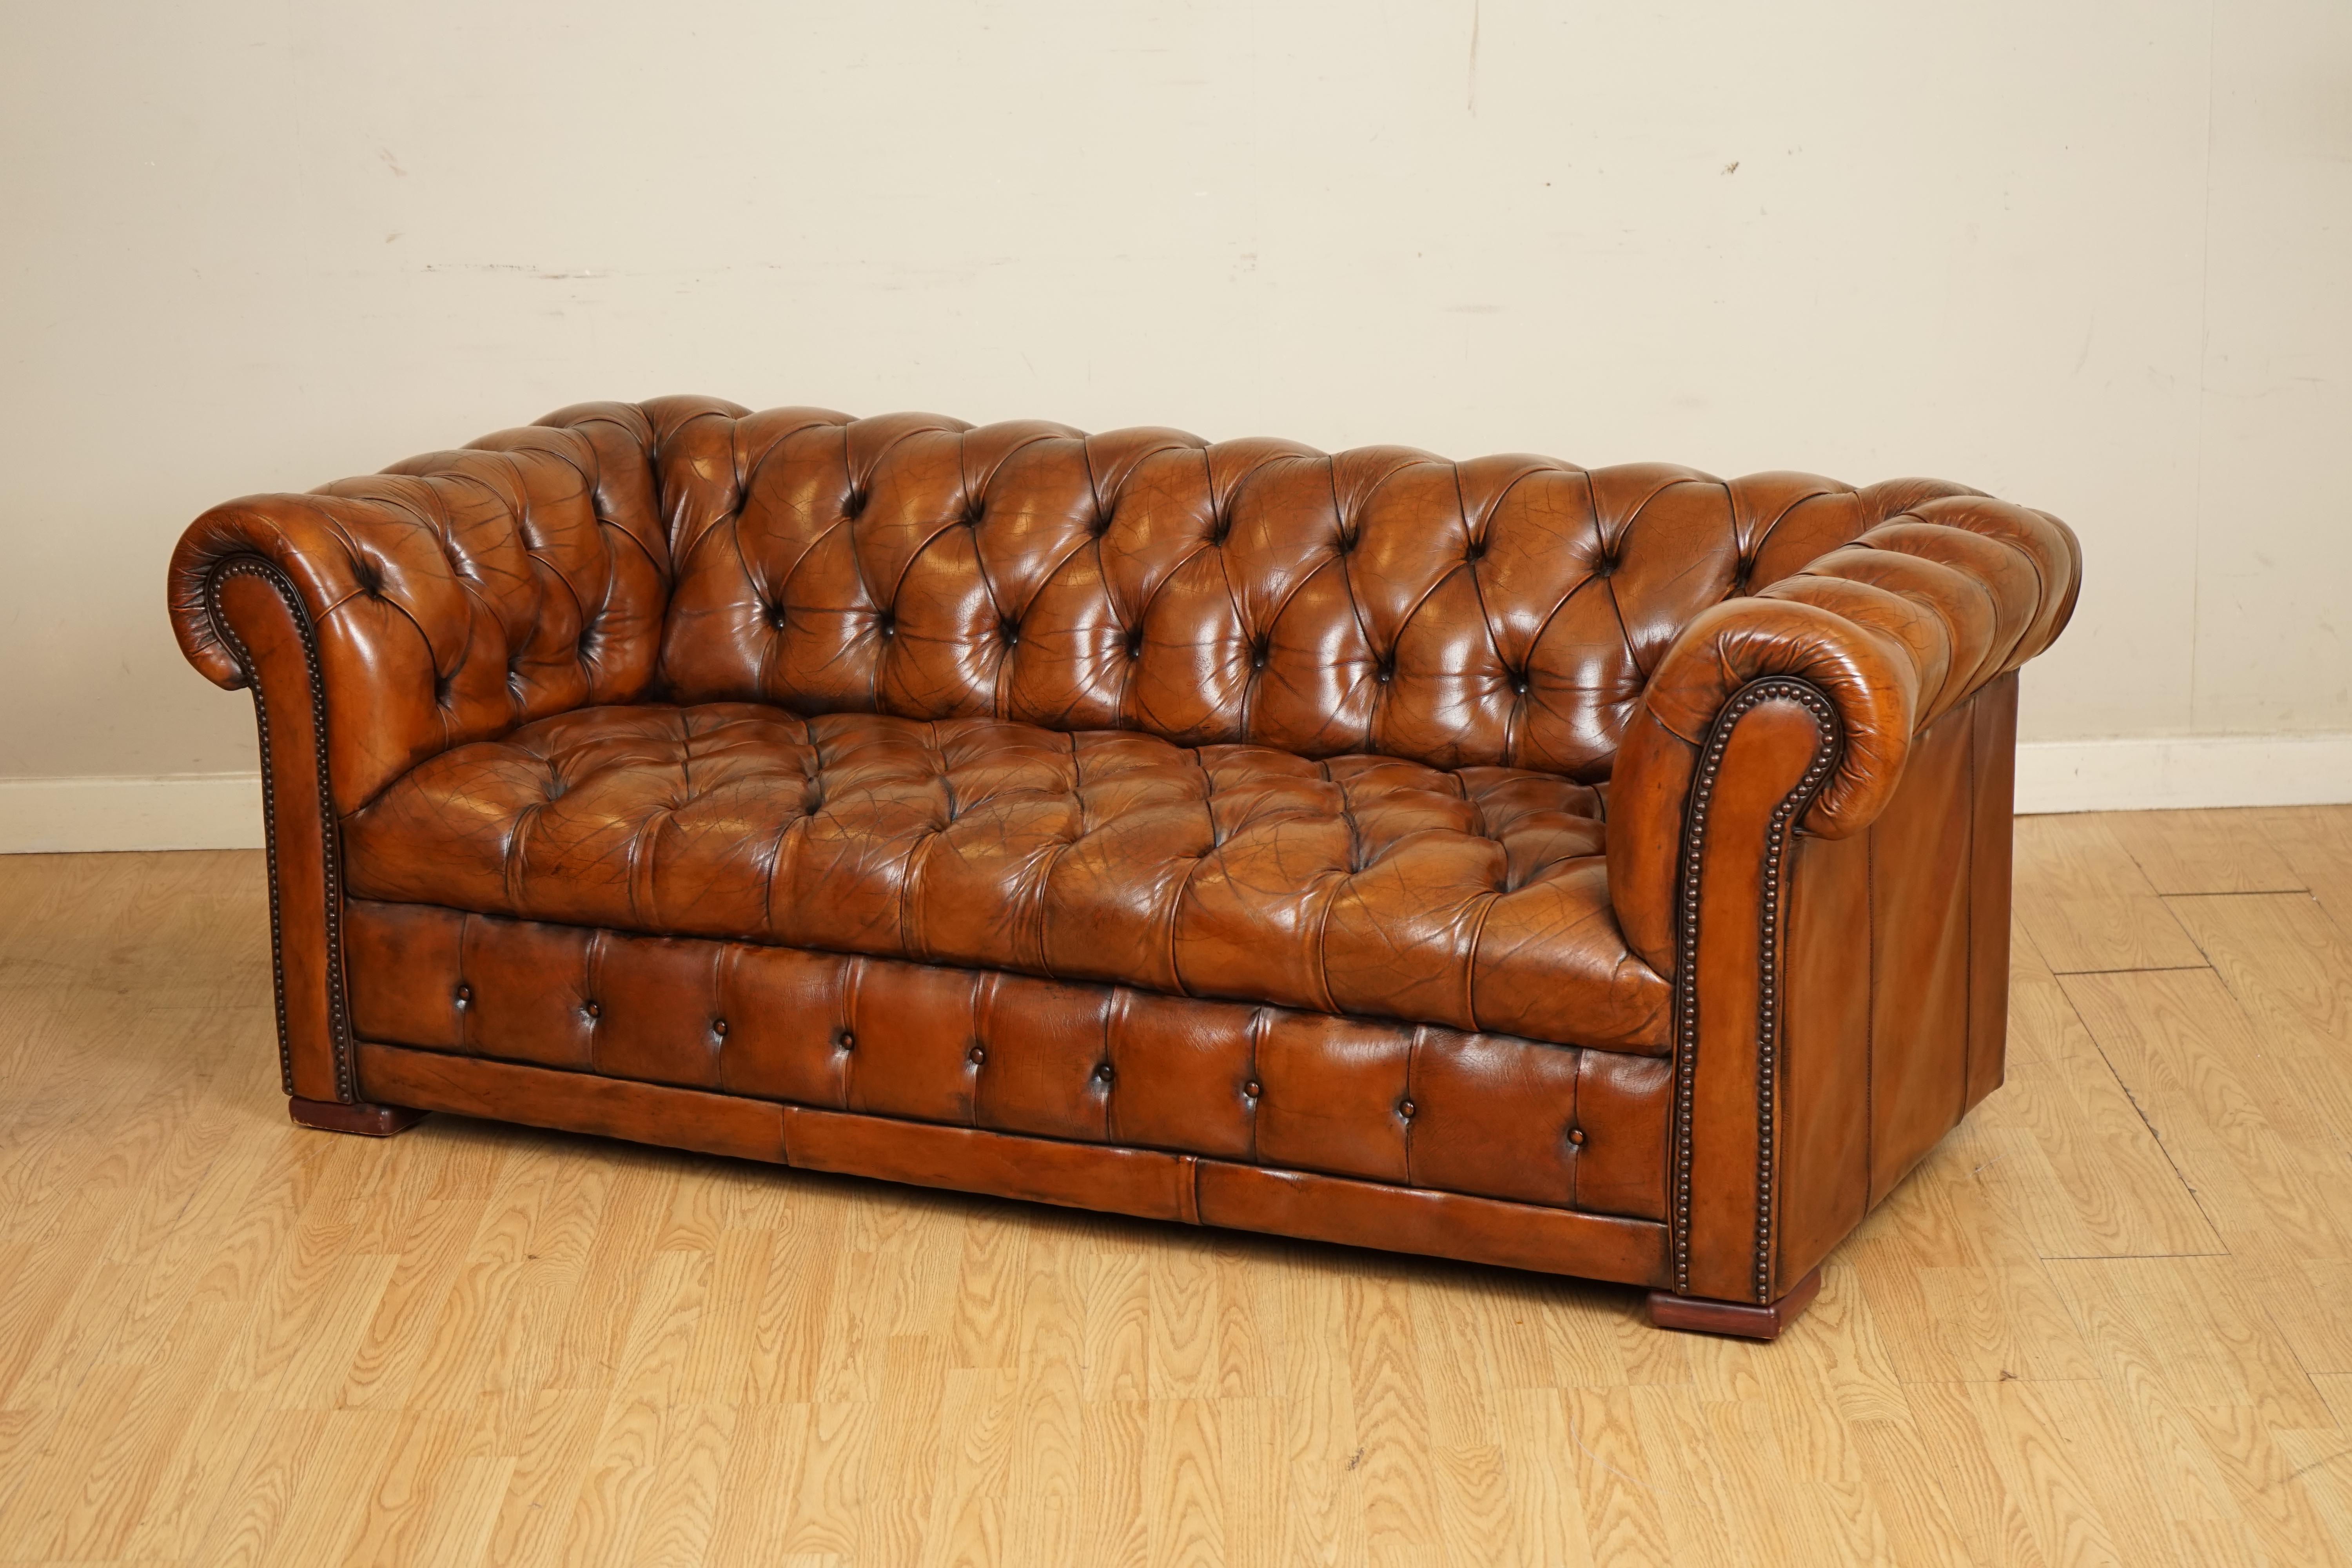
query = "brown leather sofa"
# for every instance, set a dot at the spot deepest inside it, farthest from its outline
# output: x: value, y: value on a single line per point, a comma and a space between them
x: 1603, y: 872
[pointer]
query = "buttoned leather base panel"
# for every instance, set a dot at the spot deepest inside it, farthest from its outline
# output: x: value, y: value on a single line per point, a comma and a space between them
x: 1415, y: 1107
x: 1152, y: 1184
x: 1474, y: 898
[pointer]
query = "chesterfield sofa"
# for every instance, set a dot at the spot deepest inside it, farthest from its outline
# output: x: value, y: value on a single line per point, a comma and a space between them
x: 1603, y: 872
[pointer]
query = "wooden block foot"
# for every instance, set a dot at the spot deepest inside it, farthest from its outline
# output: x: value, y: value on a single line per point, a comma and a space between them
x: 1741, y: 1320
x: 368, y: 1120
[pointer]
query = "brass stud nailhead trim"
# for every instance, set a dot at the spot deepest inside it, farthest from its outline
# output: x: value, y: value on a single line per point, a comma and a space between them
x: 339, y: 1030
x: 1768, y: 1021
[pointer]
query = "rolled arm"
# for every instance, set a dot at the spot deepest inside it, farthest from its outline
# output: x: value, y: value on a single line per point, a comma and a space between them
x: 448, y: 598
x: 1895, y: 630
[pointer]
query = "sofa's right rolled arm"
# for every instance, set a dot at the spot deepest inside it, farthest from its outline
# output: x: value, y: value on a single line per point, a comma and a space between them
x: 1893, y: 631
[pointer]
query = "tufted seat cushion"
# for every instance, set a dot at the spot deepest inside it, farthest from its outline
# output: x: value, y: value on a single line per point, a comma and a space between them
x: 1474, y: 898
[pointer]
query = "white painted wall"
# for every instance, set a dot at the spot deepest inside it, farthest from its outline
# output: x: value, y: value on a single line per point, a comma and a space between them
x: 2091, y: 257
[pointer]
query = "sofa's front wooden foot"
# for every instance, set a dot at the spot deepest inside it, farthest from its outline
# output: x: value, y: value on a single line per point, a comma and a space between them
x: 1742, y: 1320
x: 368, y: 1120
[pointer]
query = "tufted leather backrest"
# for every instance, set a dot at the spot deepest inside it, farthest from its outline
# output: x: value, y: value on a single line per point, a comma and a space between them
x: 1506, y: 610
x: 1502, y: 611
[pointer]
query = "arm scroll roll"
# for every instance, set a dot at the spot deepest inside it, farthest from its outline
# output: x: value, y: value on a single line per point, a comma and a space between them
x: 1895, y: 629
x: 453, y: 597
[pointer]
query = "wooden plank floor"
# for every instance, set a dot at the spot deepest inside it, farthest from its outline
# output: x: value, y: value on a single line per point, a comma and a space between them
x: 2109, y: 1321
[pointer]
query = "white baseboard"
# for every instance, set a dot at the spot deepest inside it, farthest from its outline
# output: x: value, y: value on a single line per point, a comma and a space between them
x: 2193, y: 771
x: 170, y: 811
x: 223, y: 811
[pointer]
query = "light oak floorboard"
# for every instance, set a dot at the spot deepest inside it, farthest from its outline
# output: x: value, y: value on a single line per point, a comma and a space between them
x: 2317, y: 842
x: 2105, y: 1321
x: 2087, y: 903
x: 2206, y: 851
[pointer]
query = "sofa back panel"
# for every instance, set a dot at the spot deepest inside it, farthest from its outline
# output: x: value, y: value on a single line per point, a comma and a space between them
x: 1506, y: 610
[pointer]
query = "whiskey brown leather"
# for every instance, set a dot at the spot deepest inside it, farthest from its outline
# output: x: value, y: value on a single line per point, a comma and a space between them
x: 1331, y: 844
x: 456, y: 595
x: 1475, y: 897
x: 274, y: 638
x: 1920, y: 613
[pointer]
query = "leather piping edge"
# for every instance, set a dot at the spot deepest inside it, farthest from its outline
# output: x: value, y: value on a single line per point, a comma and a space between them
x: 1745, y: 700
x: 331, y: 846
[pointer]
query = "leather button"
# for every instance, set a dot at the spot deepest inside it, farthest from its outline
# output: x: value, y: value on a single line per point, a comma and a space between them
x: 1576, y: 1136
x: 1405, y: 1109
x: 465, y: 994
x: 978, y: 1054
x: 591, y: 1009
x: 1102, y: 1073
x: 848, y: 1041
x: 719, y: 1026
x: 1251, y: 1090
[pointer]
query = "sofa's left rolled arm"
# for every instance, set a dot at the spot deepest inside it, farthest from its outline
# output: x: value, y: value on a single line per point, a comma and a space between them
x: 381, y: 620
x: 400, y: 653
x: 269, y: 531
x: 453, y: 597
